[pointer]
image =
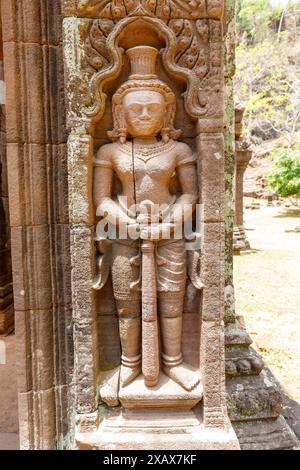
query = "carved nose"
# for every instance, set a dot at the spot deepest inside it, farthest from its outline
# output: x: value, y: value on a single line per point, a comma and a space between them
x: 145, y: 115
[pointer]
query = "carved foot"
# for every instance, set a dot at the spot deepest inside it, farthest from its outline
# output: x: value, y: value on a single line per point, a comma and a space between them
x: 128, y: 374
x: 109, y: 387
x: 183, y: 375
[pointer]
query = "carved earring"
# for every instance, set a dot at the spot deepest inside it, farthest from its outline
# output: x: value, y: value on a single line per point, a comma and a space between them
x: 123, y: 135
x: 165, y: 134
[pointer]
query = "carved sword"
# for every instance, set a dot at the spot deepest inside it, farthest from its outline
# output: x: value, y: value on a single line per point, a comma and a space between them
x: 150, y: 335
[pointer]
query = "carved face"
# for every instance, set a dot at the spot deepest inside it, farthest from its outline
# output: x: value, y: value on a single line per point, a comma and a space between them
x: 144, y: 113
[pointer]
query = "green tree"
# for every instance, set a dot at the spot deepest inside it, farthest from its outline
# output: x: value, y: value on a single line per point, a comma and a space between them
x: 284, y: 178
x: 255, y: 16
x: 268, y: 83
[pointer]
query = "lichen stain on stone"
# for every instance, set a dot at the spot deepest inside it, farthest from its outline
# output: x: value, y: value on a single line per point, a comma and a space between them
x: 83, y: 8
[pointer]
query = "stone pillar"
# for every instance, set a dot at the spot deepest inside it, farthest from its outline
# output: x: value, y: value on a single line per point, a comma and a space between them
x: 37, y: 187
x: 190, y: 41
x: 6, y: 294
x: 242, y: 159
x: 229, y: 145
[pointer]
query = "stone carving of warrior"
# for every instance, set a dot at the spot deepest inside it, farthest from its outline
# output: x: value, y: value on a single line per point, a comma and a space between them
x: 144, y: 156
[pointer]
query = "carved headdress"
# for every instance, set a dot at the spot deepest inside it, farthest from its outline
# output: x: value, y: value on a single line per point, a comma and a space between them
x: 143, y: 77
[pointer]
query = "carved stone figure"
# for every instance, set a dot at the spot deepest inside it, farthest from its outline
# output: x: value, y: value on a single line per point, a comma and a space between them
x: 167, y: 297
x: 149, y: 267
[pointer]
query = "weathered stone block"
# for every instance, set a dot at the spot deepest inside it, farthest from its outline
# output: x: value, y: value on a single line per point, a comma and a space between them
x: 16, y: 174
x: 23, y: 352
x: 213, y: 305
x: 9, y: 26
x: 266, y: 435
x: 212, y: 363
x: 80, y: 180
x: 211, y: 173
x: 45, y: 419
x: 57, y: 184
x: 27, y: 429
x: 61, y: 267
x: 85, y: 352
x: 34, y: 113
x: 31, y: 275
x: 82, y: 245
x: 55, y: 118
x: 14, y: 125
x: 35, y: 371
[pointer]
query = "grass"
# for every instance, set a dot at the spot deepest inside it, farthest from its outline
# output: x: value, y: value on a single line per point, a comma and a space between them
x: 268, y: 292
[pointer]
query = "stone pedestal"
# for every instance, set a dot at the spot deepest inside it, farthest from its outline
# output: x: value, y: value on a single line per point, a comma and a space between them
x: 166, y: 394
x: 162, y: 429
x: 243, y: 157
x: 163, y: 417
x: 240, y: 240
x: 255, y: 403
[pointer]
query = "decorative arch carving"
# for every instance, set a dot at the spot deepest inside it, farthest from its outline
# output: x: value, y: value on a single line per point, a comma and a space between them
x: 181, y: 58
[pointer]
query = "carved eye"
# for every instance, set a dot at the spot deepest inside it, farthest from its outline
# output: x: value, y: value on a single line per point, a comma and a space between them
x: 136, y: 108
x: 154, y: 107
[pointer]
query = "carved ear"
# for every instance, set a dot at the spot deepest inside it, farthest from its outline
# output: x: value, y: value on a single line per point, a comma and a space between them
x: 168, y: 121
x: 118, y: 116
x: 119, y: 131
x: 168, y: 130
x: 122, y: 129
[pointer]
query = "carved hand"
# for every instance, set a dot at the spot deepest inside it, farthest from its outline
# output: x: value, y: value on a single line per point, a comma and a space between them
x: 156, y: 232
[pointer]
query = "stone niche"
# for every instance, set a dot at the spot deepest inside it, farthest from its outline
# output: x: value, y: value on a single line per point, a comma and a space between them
x: 188, y: 40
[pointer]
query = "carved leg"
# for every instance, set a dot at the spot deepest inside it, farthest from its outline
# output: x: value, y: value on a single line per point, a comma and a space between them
x: 125, y: 277
x: 171, y: 334
x: 130, y: 335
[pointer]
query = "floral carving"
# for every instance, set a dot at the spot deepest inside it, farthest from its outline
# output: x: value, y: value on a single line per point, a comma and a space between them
x: 192, y: 47
x: 254, y: 402
x: 199, y: 49
x: 97, y: 54
x: 193, y: 53
x: 165, y: 9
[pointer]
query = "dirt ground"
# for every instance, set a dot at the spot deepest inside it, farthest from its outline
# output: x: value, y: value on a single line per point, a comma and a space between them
x: 267, y: 284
